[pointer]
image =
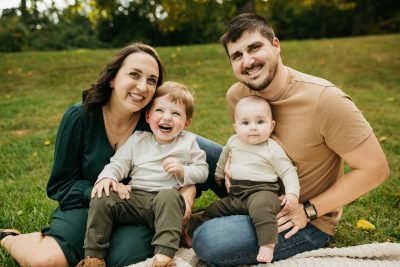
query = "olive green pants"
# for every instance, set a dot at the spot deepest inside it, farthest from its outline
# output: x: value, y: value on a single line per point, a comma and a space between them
x: 258, y: 199
x: 160, y: 211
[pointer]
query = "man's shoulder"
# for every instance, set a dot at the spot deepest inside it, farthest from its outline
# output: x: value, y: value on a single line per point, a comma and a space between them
x: 300, y: 77
x: 238, y: 89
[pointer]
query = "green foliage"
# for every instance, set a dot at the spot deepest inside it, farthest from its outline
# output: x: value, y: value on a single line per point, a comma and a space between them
x: 13, y: 34
x: 37, y: 87
x: 101, y: 23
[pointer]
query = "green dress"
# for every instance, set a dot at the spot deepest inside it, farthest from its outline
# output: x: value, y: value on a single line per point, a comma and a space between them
x: 82, y: 150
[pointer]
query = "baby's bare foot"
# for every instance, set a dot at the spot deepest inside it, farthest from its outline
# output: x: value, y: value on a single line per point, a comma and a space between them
x: 265, y: 253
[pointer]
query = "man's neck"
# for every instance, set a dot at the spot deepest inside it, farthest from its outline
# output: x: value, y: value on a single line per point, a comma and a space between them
x: 275, y: 88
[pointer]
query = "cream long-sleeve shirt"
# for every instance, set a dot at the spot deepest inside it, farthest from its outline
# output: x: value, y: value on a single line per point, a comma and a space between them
x: 141, y: 157
x: 265, y: 162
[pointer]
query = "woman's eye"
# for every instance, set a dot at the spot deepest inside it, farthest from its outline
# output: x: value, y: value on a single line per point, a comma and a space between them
x: 152, y: 81
x: 134, y: 75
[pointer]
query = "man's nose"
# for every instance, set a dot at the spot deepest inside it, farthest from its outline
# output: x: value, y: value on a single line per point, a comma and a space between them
x: 248, y: 60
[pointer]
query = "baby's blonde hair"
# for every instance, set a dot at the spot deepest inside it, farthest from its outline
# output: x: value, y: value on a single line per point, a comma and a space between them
x: 178, y: 93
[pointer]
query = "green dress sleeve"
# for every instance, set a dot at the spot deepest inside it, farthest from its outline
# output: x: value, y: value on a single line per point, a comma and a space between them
x: 67, y: 184
x: 82, y: 150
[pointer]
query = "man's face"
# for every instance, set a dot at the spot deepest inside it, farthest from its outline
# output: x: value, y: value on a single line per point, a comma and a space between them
x: 254, y: 59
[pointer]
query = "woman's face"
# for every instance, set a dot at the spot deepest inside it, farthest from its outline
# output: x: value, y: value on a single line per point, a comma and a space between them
x: 135, y: 83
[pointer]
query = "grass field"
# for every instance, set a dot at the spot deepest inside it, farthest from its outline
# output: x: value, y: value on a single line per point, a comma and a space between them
x: 36, y: 88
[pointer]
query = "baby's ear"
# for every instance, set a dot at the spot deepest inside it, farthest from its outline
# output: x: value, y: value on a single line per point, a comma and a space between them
x: 187, y: 123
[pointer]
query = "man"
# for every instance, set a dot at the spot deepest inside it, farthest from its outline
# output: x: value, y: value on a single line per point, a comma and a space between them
x: 318, y: 126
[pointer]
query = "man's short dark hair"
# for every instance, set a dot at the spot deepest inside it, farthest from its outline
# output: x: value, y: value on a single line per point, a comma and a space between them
x: 246, y: 22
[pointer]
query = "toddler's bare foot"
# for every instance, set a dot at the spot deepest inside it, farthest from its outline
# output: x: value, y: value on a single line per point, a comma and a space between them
x: 265, y: 253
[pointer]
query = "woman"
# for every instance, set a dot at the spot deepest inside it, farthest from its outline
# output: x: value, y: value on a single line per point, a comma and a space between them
x: 88, y: 136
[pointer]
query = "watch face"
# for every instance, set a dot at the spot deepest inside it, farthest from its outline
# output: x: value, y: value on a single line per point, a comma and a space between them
x: 311, y: 213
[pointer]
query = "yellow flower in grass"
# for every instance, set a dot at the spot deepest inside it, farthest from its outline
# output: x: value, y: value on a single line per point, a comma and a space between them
x: 364, y: 225
x: 47, y: 143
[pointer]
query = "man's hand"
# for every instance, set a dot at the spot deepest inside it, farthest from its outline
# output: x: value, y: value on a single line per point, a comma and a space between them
x: 174, y: 167
x: 295, y: 219
x: 227, y: 171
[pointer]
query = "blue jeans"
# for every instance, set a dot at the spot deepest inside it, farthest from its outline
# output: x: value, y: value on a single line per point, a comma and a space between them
x: 232, y: 240
x: 213, y: 150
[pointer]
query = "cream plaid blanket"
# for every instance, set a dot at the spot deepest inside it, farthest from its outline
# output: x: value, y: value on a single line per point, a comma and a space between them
x: 369, y: 255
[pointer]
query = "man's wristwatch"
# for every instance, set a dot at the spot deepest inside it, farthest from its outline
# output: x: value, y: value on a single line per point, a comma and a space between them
x: 310, y: 210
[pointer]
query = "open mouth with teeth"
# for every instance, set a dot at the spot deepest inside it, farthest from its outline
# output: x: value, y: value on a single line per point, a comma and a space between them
x: 136, y: 97
x: 165, y: 128
x: 252, y: 70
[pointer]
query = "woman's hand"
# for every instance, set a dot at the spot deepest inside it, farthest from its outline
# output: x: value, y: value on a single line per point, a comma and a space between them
x: 105, y: 185
x: 295, y: 219
x: 189, y: 193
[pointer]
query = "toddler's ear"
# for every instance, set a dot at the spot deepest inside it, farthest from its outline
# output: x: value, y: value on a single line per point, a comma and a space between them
x: 187, y: 123
x: 147, y: 116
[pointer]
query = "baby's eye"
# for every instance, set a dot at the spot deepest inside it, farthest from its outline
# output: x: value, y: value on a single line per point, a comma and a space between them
x: 245, y: 122
x: 261, y: 122
x: 158, y: 110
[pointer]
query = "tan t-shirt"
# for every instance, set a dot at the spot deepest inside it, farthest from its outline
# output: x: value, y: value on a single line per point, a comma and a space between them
x: 315, y: 123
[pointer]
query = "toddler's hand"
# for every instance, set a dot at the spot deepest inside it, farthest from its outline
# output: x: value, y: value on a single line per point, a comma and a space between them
x: 290, y: 202
x: 174, y: 167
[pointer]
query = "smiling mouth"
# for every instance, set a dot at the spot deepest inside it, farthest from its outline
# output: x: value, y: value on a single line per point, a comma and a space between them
x: 252, y: 70
x: 136, y: 97
x: 165, y: 128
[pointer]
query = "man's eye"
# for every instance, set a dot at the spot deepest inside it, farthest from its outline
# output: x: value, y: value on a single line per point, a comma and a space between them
x: 236, y: 57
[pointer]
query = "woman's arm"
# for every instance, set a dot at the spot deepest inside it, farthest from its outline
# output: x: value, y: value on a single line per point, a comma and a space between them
x: 66, y: 184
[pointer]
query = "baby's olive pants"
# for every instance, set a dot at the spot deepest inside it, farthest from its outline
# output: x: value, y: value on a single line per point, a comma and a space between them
x: 259, y: 200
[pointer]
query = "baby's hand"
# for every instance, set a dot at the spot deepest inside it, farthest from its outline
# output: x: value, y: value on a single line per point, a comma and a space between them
x: 290, y: 202
x: 174, y: 167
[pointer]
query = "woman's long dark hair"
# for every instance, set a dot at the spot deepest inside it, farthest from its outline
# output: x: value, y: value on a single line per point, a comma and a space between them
x: 100, y: 92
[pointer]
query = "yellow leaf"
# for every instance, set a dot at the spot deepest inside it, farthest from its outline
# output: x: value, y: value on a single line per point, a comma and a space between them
x: 47, y: 143
x: 365, y: 225
x: 382, y: 139
x: 34, y: 154
x: 19, y: 212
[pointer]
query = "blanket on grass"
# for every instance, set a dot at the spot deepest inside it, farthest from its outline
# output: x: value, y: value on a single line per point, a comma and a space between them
x: 369, y: 255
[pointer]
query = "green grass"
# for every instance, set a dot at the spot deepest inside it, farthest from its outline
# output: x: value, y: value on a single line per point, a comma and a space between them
x: 36, y: 88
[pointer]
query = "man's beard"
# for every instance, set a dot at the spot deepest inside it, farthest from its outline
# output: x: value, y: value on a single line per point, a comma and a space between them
x: 264, y: 84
